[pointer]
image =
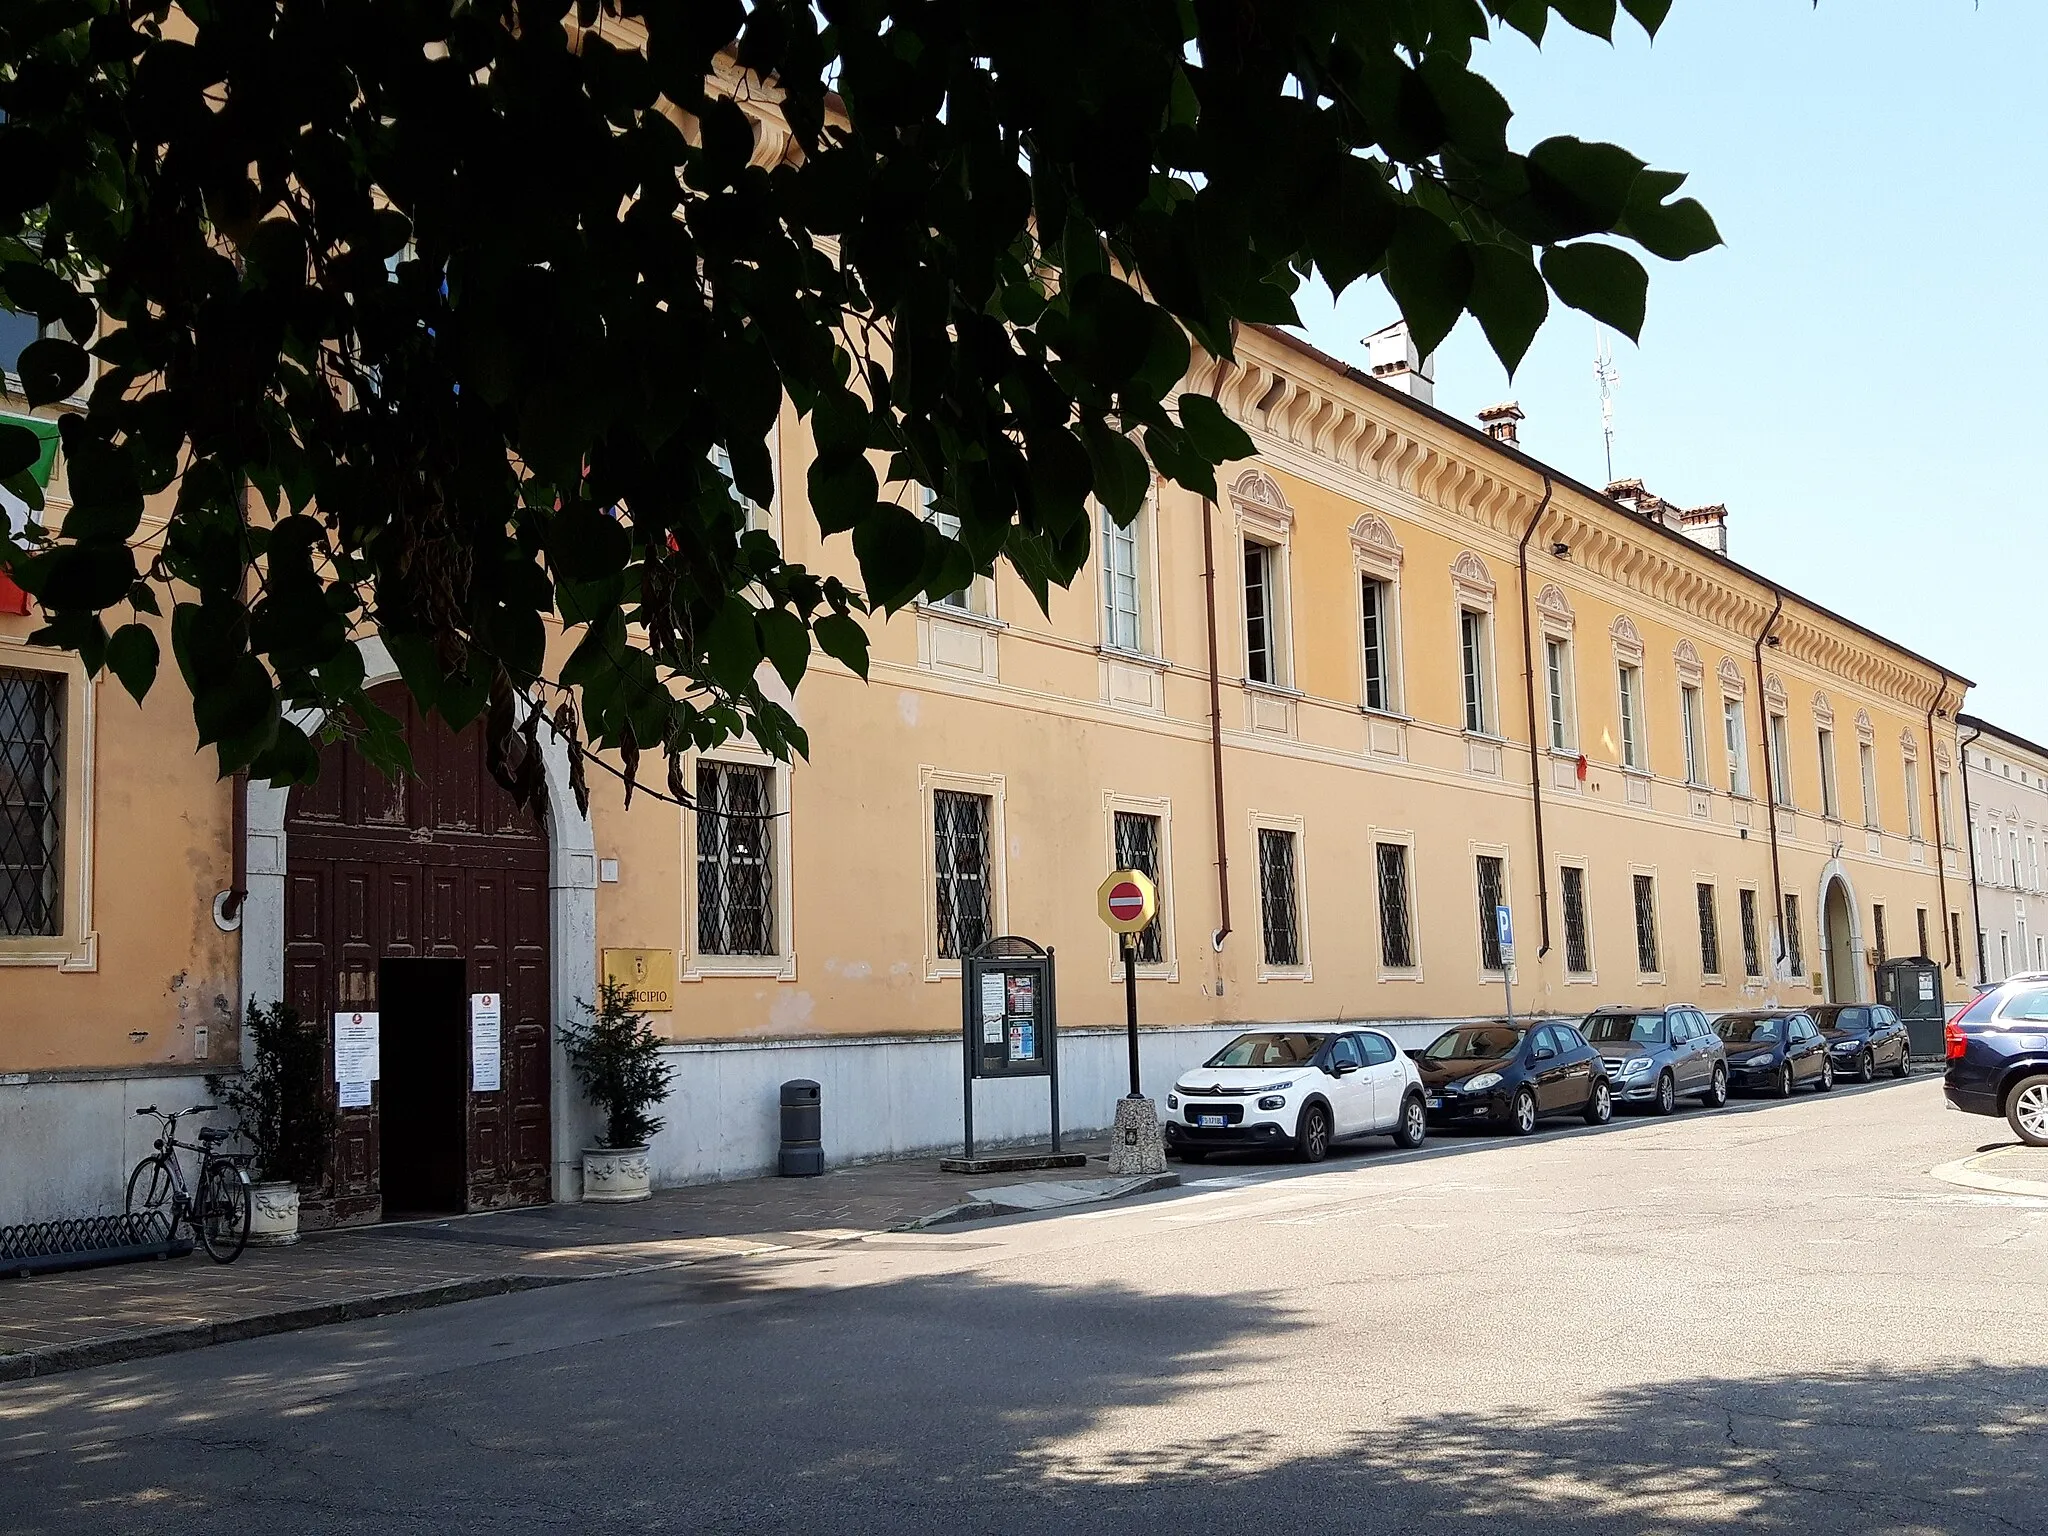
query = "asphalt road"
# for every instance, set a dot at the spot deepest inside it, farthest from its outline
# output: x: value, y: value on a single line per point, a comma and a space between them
x: 1768, y: 1317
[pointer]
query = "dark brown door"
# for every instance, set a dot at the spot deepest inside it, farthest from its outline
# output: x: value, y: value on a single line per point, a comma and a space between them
x: 441, y: 866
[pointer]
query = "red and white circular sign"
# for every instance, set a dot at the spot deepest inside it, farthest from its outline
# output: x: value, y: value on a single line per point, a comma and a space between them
x: 1127, y: 900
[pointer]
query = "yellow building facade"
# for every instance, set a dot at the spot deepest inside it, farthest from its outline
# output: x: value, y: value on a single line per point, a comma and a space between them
x: 1307, y: 708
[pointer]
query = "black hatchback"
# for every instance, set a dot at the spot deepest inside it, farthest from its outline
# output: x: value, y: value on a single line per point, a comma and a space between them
x: 1513, y: 1075
x: 1774, y: 1050
x: 1864, y: 1038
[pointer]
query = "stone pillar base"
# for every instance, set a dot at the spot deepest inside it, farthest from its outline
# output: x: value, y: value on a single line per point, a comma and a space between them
x: 1135, y: 1145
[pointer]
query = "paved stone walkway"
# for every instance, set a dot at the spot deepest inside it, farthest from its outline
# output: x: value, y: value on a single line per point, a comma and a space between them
x: 67, y: 1321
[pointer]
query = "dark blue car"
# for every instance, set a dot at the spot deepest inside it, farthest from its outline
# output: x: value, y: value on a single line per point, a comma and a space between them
x: 1774, y: 1050
x: 1998, y: 1058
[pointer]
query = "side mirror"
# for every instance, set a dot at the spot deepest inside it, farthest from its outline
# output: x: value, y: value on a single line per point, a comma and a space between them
x: 1544, y: 1053
x: 1343, y: 1068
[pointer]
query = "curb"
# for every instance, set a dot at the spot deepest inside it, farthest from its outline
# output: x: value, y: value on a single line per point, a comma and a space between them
x: 1961, y: 1173
x: 983, y: 1210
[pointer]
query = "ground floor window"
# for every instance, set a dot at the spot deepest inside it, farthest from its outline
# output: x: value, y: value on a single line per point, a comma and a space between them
x: 1279, y: 899
x: 1877, y: 927
x: 1137, y: 847
x: 1578, y: 948
x: 1752, y: 949
x: 31, y: 812
x: 1710, y: 932
x: 1397, y: 939
x: 1493, y: 892
x: 1795, y: 951
x: 1646, y: 924
x: 960, y: 845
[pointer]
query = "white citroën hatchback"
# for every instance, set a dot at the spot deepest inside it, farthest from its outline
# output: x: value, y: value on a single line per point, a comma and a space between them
x: 1303, y: 1089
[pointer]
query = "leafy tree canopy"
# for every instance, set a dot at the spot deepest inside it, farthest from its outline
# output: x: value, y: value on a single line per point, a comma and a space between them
x: 437, y: 319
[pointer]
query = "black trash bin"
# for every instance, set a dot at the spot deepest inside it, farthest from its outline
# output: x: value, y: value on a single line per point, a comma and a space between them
x: 803, y: 1129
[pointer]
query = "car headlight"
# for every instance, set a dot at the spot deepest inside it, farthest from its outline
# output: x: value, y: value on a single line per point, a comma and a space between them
x: 1275, y: 1087
x: 1482, y: 1082
x: 1273, y: 1101
x: 1754, y: 1061
x: 1637, y: 1066
x: 1173, y: 1101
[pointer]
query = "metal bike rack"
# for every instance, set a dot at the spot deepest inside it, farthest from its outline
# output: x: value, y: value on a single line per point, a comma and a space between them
x: 80, y: 1242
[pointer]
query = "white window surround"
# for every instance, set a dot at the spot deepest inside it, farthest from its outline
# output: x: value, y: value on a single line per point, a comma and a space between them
x: 1473, y: 591
x: 1591, y: 975
x: 780, y: 966
x: 1161, y: 809
x: 77, y: 947
x: 1735, y: 740
x: 1474, y: 852
x: 1377, y: 554
x: 1404, y: 838
x: 1260, y: 821
x: 1556, y: 623
x: 768, y: 518
x: 1627, y: 642
x: 1145, y: 530
x: 991, y: 785
x: 1712, y: 881
x: 1264, y: 516
x: 977, y: 599
x: 1658, y: 977
x: 1909, y: 755
x: 1692, y: 678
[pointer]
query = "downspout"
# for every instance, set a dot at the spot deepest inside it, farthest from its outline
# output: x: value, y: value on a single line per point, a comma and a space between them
x: 1216, y: 696
x: 1529, y: 696
x: 1763, y: 714
x: 1948, y: 934
x: 1970, y: 825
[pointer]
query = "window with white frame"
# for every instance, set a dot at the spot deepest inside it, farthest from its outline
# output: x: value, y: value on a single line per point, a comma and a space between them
x: 1280, y: 898
x: 963, y: 871
x: 754, y: 515
x: 1140, y: 845
x: 1911, y: 769
x: 1475, y: 650
x: 1557, y: 677
x: 978, y: 596
x: 1647, y: 959
x: 32, y: 761
x: 1735, y: 737
x: 1263, y: 636
x: 1377, y: 556
x: 1830, y: 799
x: 1396, y: 906
x: 1123, y: 577
x: 1491, y: 880
x: 736, y: 895
x: 1689, y: 716
x: 1752, y: 940
x: 1629, y: 683
x: 1710, y: 929
x: 1781, y: 761
x: 1948, y: 810
x: 1866, y: 766
x: 1578, y: 937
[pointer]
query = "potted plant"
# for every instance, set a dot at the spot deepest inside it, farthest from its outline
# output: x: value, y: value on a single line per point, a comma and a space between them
x: 616, y: 1056
x: 280, y: 1099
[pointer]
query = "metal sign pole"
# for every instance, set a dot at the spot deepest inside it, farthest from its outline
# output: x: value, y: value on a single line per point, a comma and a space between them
x: 1504, y: 928
x: 1131, y: 1006
x: 969, y: 1044
x: 1049, y: 1017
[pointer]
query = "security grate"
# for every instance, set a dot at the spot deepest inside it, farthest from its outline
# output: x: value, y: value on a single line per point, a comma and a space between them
x: 1578, y: 951
x: 31, y: 827
x: 1795, y: 947
x: 1710, y: 931
x: 1646, y: 925
x: 1492, y: 892
x: 960, y: 850
x: 1397, y: 940
x: 1279, y: 908
x: 1752, y: 950
x: 735, y: 860
x: 1137, y: 847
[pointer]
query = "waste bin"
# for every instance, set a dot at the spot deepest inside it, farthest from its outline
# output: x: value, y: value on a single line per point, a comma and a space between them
x: 803, y: 1128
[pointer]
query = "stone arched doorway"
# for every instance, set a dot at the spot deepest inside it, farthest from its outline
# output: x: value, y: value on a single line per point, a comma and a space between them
x: 408, y: 899
x: 1839, y: 941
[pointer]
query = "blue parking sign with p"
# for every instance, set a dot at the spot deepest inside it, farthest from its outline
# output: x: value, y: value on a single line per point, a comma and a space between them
x: 1504, y: 925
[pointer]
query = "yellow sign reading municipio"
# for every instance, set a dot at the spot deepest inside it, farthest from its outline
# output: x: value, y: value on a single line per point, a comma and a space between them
x: 649, y: 974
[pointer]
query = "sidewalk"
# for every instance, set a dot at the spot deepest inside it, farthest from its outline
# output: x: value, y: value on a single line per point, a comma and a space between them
x: 70, y: 1321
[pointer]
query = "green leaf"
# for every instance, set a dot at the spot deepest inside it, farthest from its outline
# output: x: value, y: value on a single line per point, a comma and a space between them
x: 1671, y: 230
x: 1211, y: 432
x: 52, y: 369
x: 1121, y: 475
x: 1429, y: 273
x: 841, y: 637
x: 20, y: 450
x: 132, y: 656
x: 733, y: 645
x: 1608, y: 284
x: 1595, y: 17
x: 843, y: 490
x: 1174, y: 458
x: 1508, y: 299
x: 1649, y: 14
x: 1349, y: 225
x: 1581, y: 187
x: 890, y: 547
x: 787, y: 643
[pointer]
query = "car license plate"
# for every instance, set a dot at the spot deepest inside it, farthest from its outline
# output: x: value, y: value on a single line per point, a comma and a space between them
x: 1436, y: 1103
x: 1210, y: 1120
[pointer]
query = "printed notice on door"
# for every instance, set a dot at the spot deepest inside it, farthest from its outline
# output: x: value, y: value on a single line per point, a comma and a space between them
x: 355, y: 1058
x: 485, y: 1041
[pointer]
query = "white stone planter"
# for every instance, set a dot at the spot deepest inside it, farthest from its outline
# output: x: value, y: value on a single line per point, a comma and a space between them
x: 274, y: 1215
x: 612, y: 1174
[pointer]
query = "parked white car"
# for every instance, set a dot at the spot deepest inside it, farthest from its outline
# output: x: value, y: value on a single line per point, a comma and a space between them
x: 1303, y: 1089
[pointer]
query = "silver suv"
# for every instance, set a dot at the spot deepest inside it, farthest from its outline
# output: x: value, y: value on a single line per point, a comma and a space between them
x: 1655, y: 1056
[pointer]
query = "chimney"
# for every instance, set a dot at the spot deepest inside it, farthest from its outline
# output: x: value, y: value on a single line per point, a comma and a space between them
x: 1392, y: 359
x: 1706, y: 525
x: 1503, y: 422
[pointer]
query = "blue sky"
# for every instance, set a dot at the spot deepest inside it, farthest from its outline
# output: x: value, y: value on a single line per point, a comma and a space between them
x: 1857, y: 373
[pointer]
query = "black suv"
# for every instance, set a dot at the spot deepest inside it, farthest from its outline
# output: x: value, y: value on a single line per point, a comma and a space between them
x: 1655, y: 1056
x: 1863, y: 1037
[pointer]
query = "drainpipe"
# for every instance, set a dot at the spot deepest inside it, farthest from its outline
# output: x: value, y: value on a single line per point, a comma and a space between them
x: 1216, y: 696
x: 238, y: 837
x: 1529, y: 695
x: 1970, y: 825
x: 1763, y: 714
x: 1948, y: 944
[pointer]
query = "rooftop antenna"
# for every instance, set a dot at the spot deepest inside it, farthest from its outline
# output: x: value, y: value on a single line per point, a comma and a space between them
x: 1609, y: 376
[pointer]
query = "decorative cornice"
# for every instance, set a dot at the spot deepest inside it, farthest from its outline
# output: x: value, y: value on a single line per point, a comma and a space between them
x: 1686, y: 657
x: 1823, y: 710
x: 1865, y: 731
x: 1628, y: 640
x: 1732, y: 680
x: 1259, y: 494
x: 1472, y: 579
x: 1774, y: 694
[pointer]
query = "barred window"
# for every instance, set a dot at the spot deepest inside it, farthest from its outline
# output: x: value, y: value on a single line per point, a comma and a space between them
x: 1920, y: 917
x: 960, y: 831
x: 31, y: 814
x: 1795, y: 951
x: 1493, y: 891
x: 735, y: 859
x: 1710, y: 931
x: 1279, y: 901
x: 1752, y: 950
x: 1883, y: 945
x: 1137, y: 847
x: 1397, y: 939
x: 1646, y: 925
x: 1578, y: 949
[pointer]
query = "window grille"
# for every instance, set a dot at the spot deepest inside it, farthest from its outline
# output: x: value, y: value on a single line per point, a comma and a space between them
x: 1795, y: 949
x: 1955, y: 935
x: 1373, y: 604
x: 1279, y: 904
x: 1121, y: 627
x: 1578, y: 951
x: 1137, y: 847
x: 1492, y: 892
x: 31, y: 825
x: 1258, y: 613
x: 1710, y: 932
x: 1883, y: 945
x: 1752, y: 947
x: 1646, y: 925
x: 1920, y: 917
x: 960, y: 830
x: 1397, y: 939
x: 735, y: 859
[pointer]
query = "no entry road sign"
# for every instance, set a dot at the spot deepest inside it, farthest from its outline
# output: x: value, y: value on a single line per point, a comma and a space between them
x: 1128, y: 901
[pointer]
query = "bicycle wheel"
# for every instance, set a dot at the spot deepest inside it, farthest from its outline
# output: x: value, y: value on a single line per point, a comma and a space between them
x: 150, y: 1191
x: 224, y: 1211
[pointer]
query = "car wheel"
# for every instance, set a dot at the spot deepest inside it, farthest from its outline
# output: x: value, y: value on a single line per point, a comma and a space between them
x: 1827, y: 1078
x: 1414, y: 1124
x: 1312, y: 1140
x: 1717, y: 1089
x: 1903, y: 1065
x: 2026, y: 1111
x: 1600, y: 1107
x: 1785, y: 1080
x: 1866, y: 1069
x: 1525, y: 1112
x: 1191, y: 1154
x: 1667, y: 1095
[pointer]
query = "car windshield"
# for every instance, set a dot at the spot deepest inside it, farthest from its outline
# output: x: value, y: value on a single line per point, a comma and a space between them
x: 1747, y: 1031
x: 1483, y: 1043
x: 1847, y: 1021
x: 1268, y: 1051
x: 1642, y: 1028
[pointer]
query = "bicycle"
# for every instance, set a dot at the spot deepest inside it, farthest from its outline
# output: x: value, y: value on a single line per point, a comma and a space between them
x: 220, y: 1218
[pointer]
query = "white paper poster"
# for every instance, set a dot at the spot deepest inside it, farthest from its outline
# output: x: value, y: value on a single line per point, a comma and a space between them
x: 991, y: 995
x: 485, y: 1047
x: 355, y: 1057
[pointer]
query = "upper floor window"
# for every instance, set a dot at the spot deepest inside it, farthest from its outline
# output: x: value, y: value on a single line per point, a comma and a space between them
x: 978, y: 596
x: 1557, y: 679
x: 1781, y: 761
x: 16, y: 332
x: 1912, y: 777
x: 1123, y: 616
x: 31, y: 810
x: 1830, y: 799
x: 1629, y: 683
x: 755, y: 514
x: 1946, y: 807
x: 1866, y: 766
x: 1377, y: 556
x: 1475, y: 645
x: 1736, y: 739
x: 1263, y: 661
x: 1689, y: 707
x: 1376, y: 616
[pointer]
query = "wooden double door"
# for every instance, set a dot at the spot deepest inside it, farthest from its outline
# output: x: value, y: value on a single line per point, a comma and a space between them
x: 417, y: 899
